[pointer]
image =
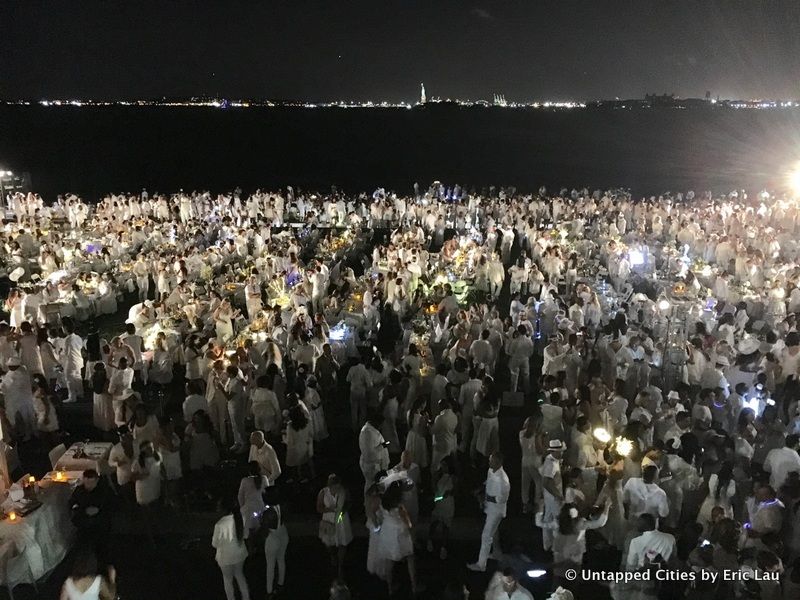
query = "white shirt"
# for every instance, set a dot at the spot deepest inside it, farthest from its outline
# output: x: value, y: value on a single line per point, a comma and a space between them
x: 267, y: 458
x: 645, y: 498
x: 499, y: 488
x: 645, y: 548
x: 73, y: 358
x: 373, y: 452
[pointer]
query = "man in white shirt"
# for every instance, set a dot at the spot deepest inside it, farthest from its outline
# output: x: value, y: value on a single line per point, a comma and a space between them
x: 265, y: 456
x: 496, y: 495
x: 782, y: 461
x: 72, y: 360
x: 481, y: 352
x: 374, y: 454
x: 360, y: 381
x: 233, y: 390
x: 553, y: 485
x: 520, y: 350
x: 652, y: 546
x: 641, y: 495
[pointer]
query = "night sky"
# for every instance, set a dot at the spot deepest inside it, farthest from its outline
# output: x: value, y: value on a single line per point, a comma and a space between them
x: 381, y: 50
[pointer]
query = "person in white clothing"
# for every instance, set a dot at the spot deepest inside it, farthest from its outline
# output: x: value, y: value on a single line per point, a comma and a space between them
x: 506, y: 586
x: 18, y: 396
x: 496, y: 493
x: 782, y: 461
x: 651, y: 547
x: 229, y: 541
x: 374, y: 452
x: 642, y: 495
x: 72, y: 361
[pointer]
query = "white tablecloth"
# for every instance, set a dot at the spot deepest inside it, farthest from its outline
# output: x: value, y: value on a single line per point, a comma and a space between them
x: 96, y: 457
x: 43, y: 537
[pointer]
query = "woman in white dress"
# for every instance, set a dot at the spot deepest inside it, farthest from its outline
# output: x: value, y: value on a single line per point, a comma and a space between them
x: 417, y: 438
x: 334, y: 528
x: 102, y: 403
x: 395, y: 543
x: 28, y: 349
x: 313, y: 402
x: 251, y: 498
x: 160, y: 370
x: 372, y: 506
x: 50, y: 362
x: 299, y: 441
x: 147, y: 472
x: 15, y: 307
x: 223, y: 321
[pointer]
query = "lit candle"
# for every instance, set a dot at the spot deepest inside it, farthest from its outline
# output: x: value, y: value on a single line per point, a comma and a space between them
x: 31, y: 479
x: 12, y: 516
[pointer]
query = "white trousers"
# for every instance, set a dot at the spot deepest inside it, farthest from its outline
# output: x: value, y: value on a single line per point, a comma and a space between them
x: 489, y: 535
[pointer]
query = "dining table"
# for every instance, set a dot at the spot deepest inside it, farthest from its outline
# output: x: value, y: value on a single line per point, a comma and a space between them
x: 81, y: 456
x: 38, y: 528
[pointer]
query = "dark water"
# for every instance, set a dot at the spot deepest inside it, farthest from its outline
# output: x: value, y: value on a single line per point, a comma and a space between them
x: 95, y: 150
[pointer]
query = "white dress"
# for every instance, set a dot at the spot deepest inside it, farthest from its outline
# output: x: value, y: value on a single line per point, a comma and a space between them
x: 317, y: 415
x: 299, y: 446
x: 334, y: 529
x: 224, y: 327
x: 375, y: 563
x: 251, y: 501
x: 395, y: 541
x: 416, y: 441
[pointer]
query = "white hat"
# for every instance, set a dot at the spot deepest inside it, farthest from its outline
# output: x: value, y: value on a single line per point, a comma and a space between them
x: 13, y: 362
x: 721, y: 360
x: 16, y: 274
x: 674, y: 395
x: 555, y: 445
x: 748, y: 345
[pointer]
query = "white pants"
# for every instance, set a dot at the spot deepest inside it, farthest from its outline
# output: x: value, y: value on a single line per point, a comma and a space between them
x: 74, y: 385
x: 520, y: 369
x: 489, y: 535
x: 531, y: 474
x: 275, y: 551
x: 229, y: 572
x: 143, y: 283
x: 218, y: 413
x: 236, y: 412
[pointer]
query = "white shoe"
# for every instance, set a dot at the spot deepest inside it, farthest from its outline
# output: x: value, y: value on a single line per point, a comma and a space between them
x: 476, y: 567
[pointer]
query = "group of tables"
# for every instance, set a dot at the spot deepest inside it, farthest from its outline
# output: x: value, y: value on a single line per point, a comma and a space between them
x: 32, y: 544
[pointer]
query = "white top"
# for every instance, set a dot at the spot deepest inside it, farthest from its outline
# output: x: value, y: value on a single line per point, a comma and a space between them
x: 148, y: 490
x: 498, y: 487
x: 645, y: 498
x: 645, y: 548
x: 267, y: 459
x: 230, y: 551
x: 117, y: 458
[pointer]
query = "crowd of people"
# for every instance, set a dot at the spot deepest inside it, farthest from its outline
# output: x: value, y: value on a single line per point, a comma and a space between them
x: 650, y: 345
